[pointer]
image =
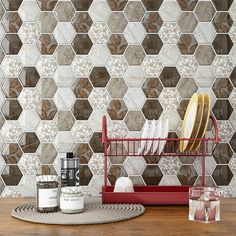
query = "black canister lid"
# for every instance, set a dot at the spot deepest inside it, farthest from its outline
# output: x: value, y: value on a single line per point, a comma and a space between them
x: 69, y: 155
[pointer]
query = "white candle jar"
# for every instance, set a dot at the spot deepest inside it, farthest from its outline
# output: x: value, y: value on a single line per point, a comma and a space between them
x: 71, y: 200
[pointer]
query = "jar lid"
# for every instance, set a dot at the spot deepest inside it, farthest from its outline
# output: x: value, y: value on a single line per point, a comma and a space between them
x: 46, y: 178
x: 71, y: 189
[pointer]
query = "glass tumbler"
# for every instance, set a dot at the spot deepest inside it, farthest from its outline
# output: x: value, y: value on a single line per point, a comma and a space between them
x: 204, y: 204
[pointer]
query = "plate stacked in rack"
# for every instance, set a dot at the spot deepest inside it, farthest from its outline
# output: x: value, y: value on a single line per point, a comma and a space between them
x: 153, y: 137
x: 195, y: 122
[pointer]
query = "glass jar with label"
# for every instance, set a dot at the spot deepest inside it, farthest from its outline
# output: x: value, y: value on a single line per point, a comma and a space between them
x: 71, y: 200
x: 47, y: 193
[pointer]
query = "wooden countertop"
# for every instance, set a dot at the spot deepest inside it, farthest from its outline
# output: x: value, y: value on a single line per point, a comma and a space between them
x: 157, y: 220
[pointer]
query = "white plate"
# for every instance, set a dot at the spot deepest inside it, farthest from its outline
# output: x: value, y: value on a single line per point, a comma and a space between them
x: 157, y: 135
x: 164, y: 134
x: 144, y: 135
x: 151, y: 134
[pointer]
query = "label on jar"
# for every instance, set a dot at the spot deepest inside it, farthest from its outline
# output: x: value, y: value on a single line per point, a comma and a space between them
x: 71, y: 203
x: 47, y: 197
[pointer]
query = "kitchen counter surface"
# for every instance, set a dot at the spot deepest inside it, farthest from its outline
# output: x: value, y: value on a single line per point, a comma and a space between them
x: 157, y: 220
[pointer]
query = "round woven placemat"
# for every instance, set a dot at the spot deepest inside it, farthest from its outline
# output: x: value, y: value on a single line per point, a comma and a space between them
x: 94, y: 213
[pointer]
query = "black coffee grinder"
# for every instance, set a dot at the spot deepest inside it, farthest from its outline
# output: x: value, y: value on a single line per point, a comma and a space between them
x: 69, y: 170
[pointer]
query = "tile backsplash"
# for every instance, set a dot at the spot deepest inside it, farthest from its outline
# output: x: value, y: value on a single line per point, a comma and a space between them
x: 65, y: 64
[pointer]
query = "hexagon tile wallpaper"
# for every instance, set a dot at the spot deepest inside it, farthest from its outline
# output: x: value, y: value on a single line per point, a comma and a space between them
x: 65, y: 64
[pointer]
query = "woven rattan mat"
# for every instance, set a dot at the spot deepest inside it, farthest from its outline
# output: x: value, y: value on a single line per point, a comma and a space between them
x: 94, y: 213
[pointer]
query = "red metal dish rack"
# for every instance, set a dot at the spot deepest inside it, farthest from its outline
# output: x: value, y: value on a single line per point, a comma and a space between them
x: 152, y: 195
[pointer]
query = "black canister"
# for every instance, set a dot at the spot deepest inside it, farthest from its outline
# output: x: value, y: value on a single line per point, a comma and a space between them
x: 69, y: 170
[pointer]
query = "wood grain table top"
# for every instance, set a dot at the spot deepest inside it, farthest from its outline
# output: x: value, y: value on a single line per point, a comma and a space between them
x: 157, y: 220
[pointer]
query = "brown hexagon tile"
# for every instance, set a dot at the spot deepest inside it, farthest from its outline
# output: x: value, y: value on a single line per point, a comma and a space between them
x: 152, y: 5
x: 47, y: 109
x: 29, y: 142
x: 2, y: 120
x: 134, y: 11
x: 47, y: 22
x: 152, y: 175
x: 204, y: 55
x: 115, y: 172
x: 83, y: 152
x: 11, y: 87
x: 134, y: 120
x: 11, y: 175
x: 187, y: 87
x: 11, y: 44
x: 222, y: 22
x: 222, y: 153
x: 204, y: 11
x: 187, y: 5
x: 187, y: 175
x: 115, y: 150
x: 169, y: 76
x: 233, y: 77
x: 134, y: 55
x: 46, y: 87
x: 117, y: 22
x: 222, y: 109
x: 222, y: 5
x: 47, y: 170
x: 2, y: 54
x: 222, y: 175
x: 187, y: 159
x: 152, y: 159
x: 233, y: 142
x: 82, y: 44
x: 222, y: 44
x: 152, y: 109
x: 11, y: 22
x: 82, y: 109
x: 46, y: 44
x: 82, y: 88
x: 152, y: 87
x: 29, y: 77
x: 82, y: 5
x: 222, y: 87
x: 85, y: 175
x: 64, y: 120
x: 64, y: 11
x: 82, y: 22
x: 96, y: 142
x: 152, y: 22
x: 152, y: 44
x: 187, y: 22
x: 117, y: 109
x: 46, y: 153
x: 187, y: 44
x: 182, y: 107
x: 117, y: 87
x: 47, y: 5
x: 117, y: 5
x: 117, y: 44
x: 64, y: 54
x: 11, y: 109
x: 11, y: 5
x: 99, y: 77
x: 11, y: 153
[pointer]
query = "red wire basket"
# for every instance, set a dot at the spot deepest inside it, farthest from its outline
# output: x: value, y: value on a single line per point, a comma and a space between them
x: 152, y: 194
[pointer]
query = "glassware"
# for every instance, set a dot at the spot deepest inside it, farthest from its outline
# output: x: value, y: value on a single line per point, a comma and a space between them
x: 204, y: 204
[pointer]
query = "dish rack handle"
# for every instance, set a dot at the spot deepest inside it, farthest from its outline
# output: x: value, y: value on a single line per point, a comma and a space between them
x: 104, y: 129
x: 216, y: 134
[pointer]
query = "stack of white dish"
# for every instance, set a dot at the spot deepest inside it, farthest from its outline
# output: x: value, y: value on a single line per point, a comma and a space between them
x: 154, y: 130
x: 195, y: 122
